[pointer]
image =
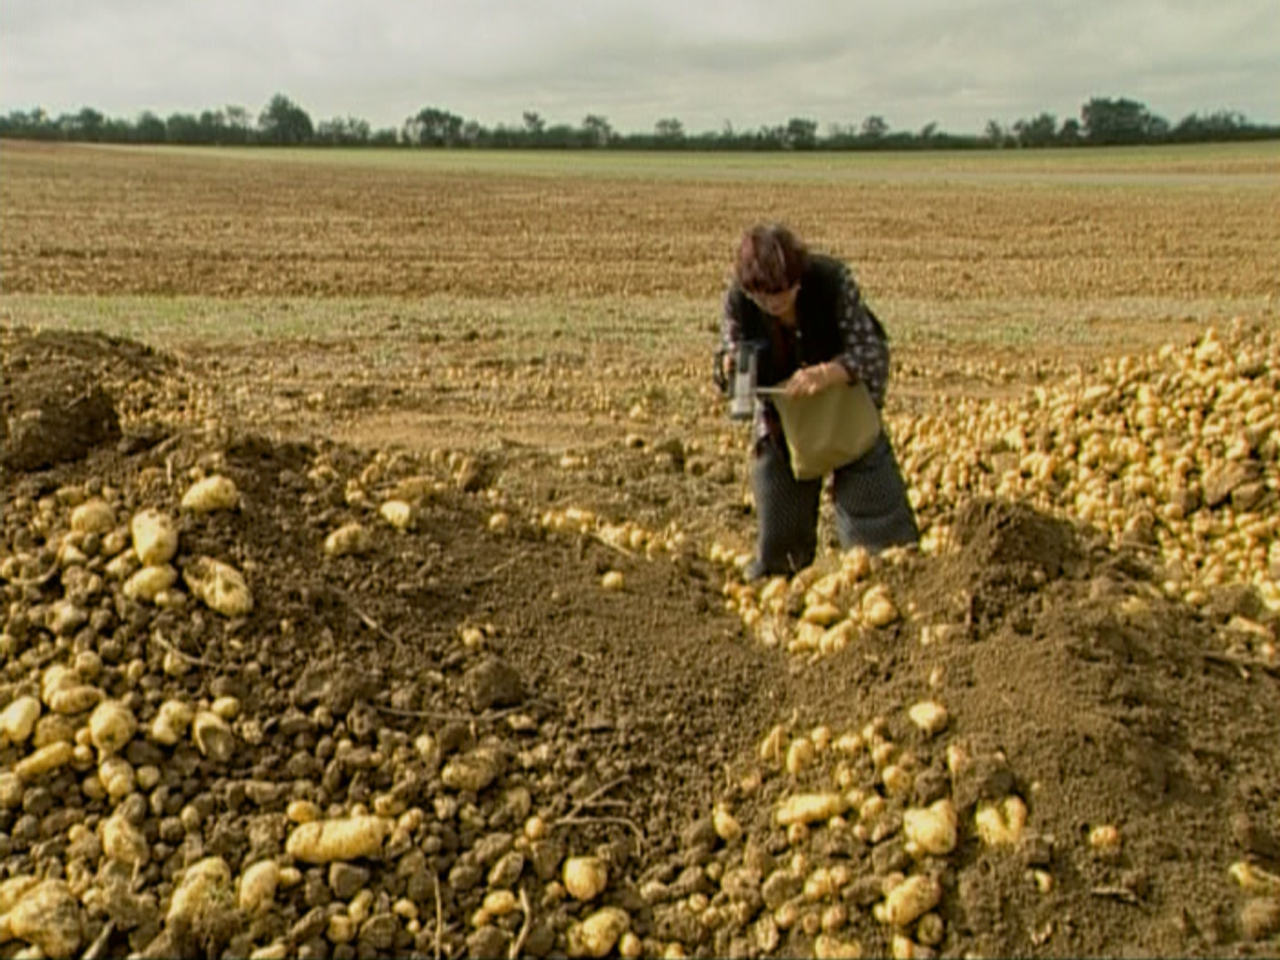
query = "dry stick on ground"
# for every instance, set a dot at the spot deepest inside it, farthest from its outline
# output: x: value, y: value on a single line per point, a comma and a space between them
x: 197, y: 661
x: 485, y: 578
x: 439, y: 919
x: 1243, y: 664
x: 99, y: 946
x: 594, y: 799
x: 439, y: 715
x: 525, y: 927
x: 595, y: 795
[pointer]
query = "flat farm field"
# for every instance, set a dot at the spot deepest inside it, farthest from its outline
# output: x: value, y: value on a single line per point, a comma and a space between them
x: 372, y: 539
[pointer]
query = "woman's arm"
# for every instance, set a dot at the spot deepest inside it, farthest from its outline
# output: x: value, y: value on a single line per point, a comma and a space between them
x: 865, y: 355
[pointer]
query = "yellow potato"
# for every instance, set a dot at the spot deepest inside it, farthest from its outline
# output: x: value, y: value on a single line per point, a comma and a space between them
x: 585, y: 877
x: 325, y: 841
x: 93, y: 516
x: 398, y: 513
x: 124, y: 843
x: 219, y: 586
x: 49, y: 916
x: 213, y: 736
x: 931, y: 830
x: 598, y: 933
x: 1000, y: 823
x: 211, y: 494
x: 204, y: 883
x: 258, y: 887
x: 809, y: 808
x: 171, y: 722
x: 149, y: 582
x: 155, y: 538
x: 44, y: 760
x: 111, y: 726
x: 348, y: 540
x: 909, y: 901
x: 18, y: 721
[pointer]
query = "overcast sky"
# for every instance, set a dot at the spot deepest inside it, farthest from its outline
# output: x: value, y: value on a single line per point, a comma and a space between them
x: 706, y: 62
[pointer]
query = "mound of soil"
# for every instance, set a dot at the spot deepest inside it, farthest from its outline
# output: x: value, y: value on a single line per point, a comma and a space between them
x: 58, y: 393
x: 481, y: 674
x: 1096, y: 700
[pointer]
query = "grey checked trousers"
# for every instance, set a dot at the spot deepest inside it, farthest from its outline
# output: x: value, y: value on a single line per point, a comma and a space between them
x: 870, y: 499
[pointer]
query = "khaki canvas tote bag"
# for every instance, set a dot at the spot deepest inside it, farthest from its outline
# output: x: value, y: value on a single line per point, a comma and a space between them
x: 828, y: 429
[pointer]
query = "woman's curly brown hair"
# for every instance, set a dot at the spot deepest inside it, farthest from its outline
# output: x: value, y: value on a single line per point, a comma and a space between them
x: 770, y: 259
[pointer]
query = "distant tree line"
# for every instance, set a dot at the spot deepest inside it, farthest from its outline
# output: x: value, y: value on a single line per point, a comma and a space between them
x: 1103, y: 121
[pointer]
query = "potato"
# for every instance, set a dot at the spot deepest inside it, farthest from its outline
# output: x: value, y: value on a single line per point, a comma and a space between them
x: 258, y: 887
x: 598, y: 933
x: 472, y: 772
x: 348, y: 540
x: 585, y: 877
x: 822, y: 614
x: 124, y: 843
x: 149, y: 582
x: 44, y: 760
x: 155, y: 538
x: 878, y: 609
x: 49, y: 916
x: 18, y: 720
x: 897, y: 780
x: 111, y: 726
x: 328, y: 840
x: 1254, y: 879
x: 1000, y: 823
x: 726, y: 825
x: 219, y: 586
x: 800, y: 755
x: 117, y: 777
x: 302, y: 811
x: 171, y: 722
x: 932, y: 830
x: 830, y: 947
x: 397, y: 513
x: 93, y: 516
x: 499, y: 903
x: 213, y: 736
x: 809, y: 808
x: 909, y: 901
x: 210, y: 494
x: 930, y: 718
x: 11, y: 791
x: 1104, y: 839
x: 613, y: 580
x: 204, y: 884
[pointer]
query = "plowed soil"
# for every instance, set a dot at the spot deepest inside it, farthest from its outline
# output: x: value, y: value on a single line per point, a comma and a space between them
x: 1074, y: 680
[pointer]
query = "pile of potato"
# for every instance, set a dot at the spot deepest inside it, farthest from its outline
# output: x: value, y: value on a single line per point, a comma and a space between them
x: 1176, y: 451
x: 832, y: 793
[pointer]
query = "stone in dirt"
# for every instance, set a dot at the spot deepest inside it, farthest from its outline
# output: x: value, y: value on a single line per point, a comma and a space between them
x: 494, y: 683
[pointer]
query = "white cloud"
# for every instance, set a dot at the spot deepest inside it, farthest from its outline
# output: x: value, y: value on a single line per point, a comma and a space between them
x: 750, y: 62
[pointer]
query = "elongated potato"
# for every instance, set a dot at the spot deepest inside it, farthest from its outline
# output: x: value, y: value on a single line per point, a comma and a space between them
x: 18, y: 720
x: 809, y: 808
x: 909, y: 901
x: 211, y: 494
x: 348, y: 540
x: 325, y: 841
x: 219, y: 586
x: 149, y: 582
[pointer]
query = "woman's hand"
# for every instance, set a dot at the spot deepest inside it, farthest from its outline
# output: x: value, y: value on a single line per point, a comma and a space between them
x: 807, y: 381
